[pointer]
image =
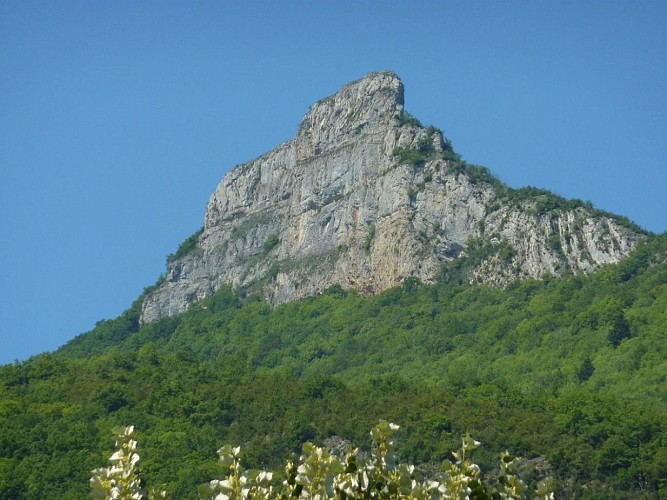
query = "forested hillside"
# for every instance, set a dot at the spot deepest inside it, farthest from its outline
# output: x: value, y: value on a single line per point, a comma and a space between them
x: 569, y: 372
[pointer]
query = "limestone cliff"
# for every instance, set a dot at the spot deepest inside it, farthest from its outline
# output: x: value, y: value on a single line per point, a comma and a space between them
x: 365, y: 196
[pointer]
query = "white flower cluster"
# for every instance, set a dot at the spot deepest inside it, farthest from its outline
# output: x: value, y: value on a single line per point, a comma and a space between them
x: 120, y: 480
x: 321, y: 475
x: 241, y: 483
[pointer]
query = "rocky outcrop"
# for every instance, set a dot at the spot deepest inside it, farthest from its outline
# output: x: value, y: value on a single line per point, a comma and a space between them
x: 363, y: 197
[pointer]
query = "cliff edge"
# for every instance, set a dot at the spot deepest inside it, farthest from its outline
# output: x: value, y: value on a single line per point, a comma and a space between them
x: 365, y: 196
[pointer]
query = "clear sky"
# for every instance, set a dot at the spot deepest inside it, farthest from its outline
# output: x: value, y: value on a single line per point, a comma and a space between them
x: 118, y: 119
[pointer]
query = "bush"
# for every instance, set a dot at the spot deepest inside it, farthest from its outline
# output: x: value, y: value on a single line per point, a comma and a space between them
x: 189, y: 245
x: 368, y: 242
x: 321, y: 474
x: 121, y: 480
x: 415, y: 158
x: 407, y: 118
x: 271, y: 242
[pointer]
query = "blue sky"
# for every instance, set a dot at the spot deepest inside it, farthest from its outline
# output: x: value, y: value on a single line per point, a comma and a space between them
x: 118, y: 119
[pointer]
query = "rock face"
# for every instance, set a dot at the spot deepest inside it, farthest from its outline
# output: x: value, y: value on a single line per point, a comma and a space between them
x: 363, y: 197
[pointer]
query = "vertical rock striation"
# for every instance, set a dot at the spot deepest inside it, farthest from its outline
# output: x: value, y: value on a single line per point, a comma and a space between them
x: 365, y: 196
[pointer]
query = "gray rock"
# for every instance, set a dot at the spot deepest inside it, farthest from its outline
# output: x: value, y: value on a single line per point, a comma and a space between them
x: 364, y: 197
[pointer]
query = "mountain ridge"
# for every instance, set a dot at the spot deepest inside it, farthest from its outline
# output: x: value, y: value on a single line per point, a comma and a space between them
x: 364, y: 197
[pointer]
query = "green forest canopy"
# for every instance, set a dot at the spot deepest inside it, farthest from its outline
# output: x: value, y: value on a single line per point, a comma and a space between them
x: 570, y: 373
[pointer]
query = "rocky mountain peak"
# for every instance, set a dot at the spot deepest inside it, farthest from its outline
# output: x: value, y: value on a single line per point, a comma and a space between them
x: 364, y: 197
x: 363, y: 106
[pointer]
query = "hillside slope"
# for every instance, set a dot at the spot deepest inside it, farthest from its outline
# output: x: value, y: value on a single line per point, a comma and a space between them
x: 567, y: 372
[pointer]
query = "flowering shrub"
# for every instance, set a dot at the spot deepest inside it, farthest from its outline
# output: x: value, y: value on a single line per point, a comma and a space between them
x: 121, y: 481
x: 320, y: 475
x: 240, y: 483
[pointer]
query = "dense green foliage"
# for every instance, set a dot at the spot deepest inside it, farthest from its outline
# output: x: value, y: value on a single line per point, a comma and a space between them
x: 572, y: 372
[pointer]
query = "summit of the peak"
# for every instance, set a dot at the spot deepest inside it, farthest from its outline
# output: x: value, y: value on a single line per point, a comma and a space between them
x: 368, y: 105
